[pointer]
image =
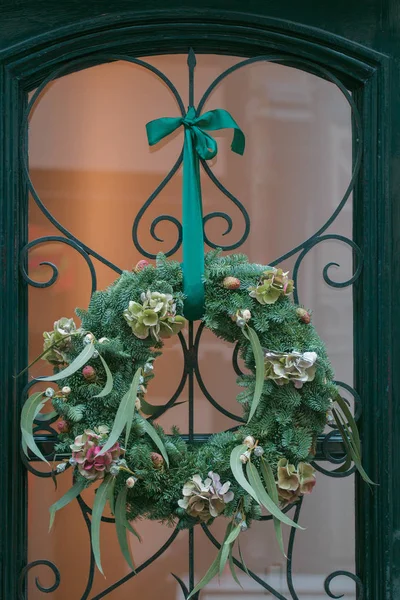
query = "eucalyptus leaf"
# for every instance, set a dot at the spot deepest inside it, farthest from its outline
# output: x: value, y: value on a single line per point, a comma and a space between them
x: 350, y: 446
x: 132, y: 530
x: 30, y: 410
x: 232, y: 535
x: 273, y: 492
x: 109, y: 381
x: 131, y: 410
x: 214, y: 567
x: 350, y: 419
x: 242, y: 560
x: 211, y: 573
x: 263, y: 497
x: 99, y: 503
x: 223, y: 556
x: 260, y: 369
x: 120, y: 524
x: 149, y: 429
x: 124, y: 413
x: 46, y: 416
x: 237, y: 470
x: 232, y: 568
x: 345, y: 466
x: 72, y: 493
x: 76, y: 364
x: 111, y: 496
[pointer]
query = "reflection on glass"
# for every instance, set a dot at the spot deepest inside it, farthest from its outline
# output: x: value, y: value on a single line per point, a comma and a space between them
x: 92, y: 168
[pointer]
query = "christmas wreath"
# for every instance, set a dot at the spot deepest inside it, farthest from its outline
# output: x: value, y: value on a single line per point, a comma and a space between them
x: 106, y: 421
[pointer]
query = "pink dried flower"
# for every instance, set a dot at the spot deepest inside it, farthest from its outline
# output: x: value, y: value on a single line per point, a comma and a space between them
x: 86, y: 453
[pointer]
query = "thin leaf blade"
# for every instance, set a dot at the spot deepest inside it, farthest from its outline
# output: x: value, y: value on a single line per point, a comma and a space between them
x: 349, y: 444
x: 243, y: 561
x: 29, y: 412
x: 120, y: 524
x: 265, y: 500
x: 125, y: 410
x: 99, y: 503
x: 237, y: 470
x: 81, y: 360
x: 232, y: 568
x: 46, y: 416
x: 109, y: 380
x: 210, y: 574
x: 350, y: 419
x: 259, y: 361
x: 273, y: 492
x: 232, y: 535
x: 149, y: 429
x: 131, y: 410
x: 70, y: 495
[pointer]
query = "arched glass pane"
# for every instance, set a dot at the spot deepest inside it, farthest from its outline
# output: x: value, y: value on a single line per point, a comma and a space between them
x: 93, y: 170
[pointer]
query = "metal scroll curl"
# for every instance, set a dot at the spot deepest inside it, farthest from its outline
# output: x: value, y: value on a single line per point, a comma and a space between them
x: 33, y: 565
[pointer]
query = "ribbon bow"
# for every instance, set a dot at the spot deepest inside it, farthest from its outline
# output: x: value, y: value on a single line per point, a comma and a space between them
x: 198, y: 144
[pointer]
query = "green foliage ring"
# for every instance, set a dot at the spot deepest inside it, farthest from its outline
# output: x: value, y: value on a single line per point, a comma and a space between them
x: 245, y: 303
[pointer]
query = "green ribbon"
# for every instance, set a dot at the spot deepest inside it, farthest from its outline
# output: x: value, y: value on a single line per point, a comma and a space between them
x: 198, y: 144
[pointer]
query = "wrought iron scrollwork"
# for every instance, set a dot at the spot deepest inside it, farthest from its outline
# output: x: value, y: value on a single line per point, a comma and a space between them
x: 332, y: 576
x: 329, y: 446
x: 29, y: 567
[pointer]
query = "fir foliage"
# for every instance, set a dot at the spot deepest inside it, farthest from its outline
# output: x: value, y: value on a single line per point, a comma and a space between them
x: 287, y: 421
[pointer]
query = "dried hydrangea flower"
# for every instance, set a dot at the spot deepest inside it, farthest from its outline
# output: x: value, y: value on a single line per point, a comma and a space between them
x: 273, y: 284
x: 293, y: 483
x: 61, y: 335
x: 294, y: 366
x: 156, y: 316
x: 307, y: 480
x: 86, y: 455
x: 207, y: 499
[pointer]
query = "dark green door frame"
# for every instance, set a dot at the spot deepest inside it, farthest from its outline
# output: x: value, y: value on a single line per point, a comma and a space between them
x: 359, y: 44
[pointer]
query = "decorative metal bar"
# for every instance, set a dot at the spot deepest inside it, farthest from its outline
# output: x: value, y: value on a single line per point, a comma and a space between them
x: 329, y: 446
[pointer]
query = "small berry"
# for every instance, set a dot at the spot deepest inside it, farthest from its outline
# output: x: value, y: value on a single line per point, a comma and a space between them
x: 114, y: 470
x: 49, y: 392
x: 258, y: 451
x: 66, y: 390
x: 130, y: 482
x: 62, y: 426
x: 243, y: 458
x: 141, y: 265
x: 61, y: 467
x: 231, y: 283
x: 303, y: 315
x: 148, y: 368
x: 89, y: 373
x: 157, y: 460
x: 103, y: 340
x: 138, y: 404
x: 243, y: 526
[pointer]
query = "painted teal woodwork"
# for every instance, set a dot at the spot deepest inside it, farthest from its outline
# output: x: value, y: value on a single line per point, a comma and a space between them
x: 357, y: 40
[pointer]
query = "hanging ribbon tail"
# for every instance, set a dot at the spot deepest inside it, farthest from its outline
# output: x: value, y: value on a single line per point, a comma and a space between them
x: 192, y: 233
x: 221, y: 119
x: 198, y: 144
